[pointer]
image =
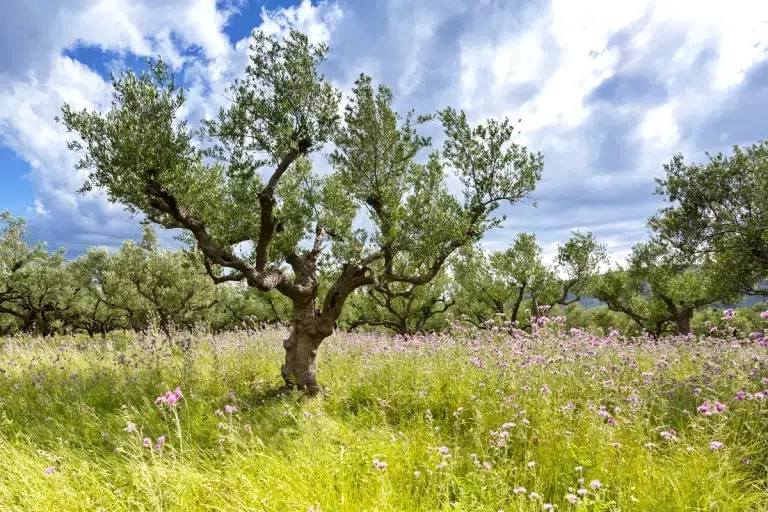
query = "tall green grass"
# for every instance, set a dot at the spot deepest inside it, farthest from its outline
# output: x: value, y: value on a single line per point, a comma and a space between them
x: 65, y: 405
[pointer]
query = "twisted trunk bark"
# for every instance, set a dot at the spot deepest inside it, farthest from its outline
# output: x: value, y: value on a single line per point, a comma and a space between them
x: 307, y: 334
x: 300, y: 353
x: 683, y: 324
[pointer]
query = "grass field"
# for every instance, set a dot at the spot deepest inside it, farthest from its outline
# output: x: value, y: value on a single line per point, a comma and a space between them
x: 469, y: 422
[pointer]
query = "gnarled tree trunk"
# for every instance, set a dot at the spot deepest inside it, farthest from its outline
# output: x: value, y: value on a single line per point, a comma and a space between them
x: 300, y: 353
x: 683, y: 324
x: 307, y: 334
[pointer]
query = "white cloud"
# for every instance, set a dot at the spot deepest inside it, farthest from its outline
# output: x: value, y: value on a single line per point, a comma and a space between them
x: 544, y: 63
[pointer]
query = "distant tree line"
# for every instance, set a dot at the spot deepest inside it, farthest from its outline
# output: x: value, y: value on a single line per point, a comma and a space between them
x: 135, y: 287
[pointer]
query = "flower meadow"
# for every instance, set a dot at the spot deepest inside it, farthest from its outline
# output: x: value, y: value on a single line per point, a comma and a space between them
x: 467, y: 421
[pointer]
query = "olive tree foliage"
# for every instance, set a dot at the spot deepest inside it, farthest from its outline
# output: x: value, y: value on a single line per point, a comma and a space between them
x: 240, y: 306
x: 501, y: 285
x: 719, y: 209
x: 95, y: 309
x: 155, y: 285
x: 208, y: 182
x: 505, y: 284
x: 401, y: 308
x: 35, y: 286
x: 660, y: 288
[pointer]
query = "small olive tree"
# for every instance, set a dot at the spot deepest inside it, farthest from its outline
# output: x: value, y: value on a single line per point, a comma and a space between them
x: 208, y: 182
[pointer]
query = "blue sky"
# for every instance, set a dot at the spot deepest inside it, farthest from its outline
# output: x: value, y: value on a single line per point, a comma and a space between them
x: 608, y: 93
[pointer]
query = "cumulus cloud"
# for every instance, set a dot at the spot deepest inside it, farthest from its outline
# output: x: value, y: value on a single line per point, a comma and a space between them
x: 607, y: 92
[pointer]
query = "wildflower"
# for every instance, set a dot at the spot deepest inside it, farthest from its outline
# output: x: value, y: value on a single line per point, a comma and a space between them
x: 130, y: 427
x: 443, y: 450
x: 533, y: 495
x: 728, y: 314
x: 379, y: 464
x: 764, y: 315
x: 571, y: 498
x: 519, y: 490
x: 716, y: 445
x: 595, y: 484
x: 416, y: 474
x: 230, y: 409
x: 441, y: 466
x: 50, y: 470
x: 487, y: 466
x: 579, y: 468
x: 739, y: 395
x: 668, y: 436
x: 147, y: 442
x: 547, y: 506
x: 218, y: 412
x: 582, y: 492
x: 744, y: 460
x: 247, y: 427
x: 532, y: 463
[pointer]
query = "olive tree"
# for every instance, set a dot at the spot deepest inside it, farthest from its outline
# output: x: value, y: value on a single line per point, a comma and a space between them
x: 95, y: 308
x: 401, y: 308
x: 660, y: 288
x: 36, y: 287
x: 271, y: 230
x: 501, y: 283
x: 720, y: 209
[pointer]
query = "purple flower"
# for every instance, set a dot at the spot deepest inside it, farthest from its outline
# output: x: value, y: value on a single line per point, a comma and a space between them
x: 519, y: 490
x: 379, y: 464
x: 595, y: 484
x: 130, y: 427
x: 739, y: 395
x: 571, y: 498
x: 147, y: 442
x: 230, y: 409
x: 764, y: 315
x: 444, y: 450
x: 716, y: 445
x: 50, y: 470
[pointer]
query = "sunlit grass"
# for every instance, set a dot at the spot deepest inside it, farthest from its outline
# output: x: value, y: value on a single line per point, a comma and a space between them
x: 455, y: 423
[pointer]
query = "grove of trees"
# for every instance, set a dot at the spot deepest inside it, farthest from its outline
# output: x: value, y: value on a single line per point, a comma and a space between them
x: 380, y: 242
